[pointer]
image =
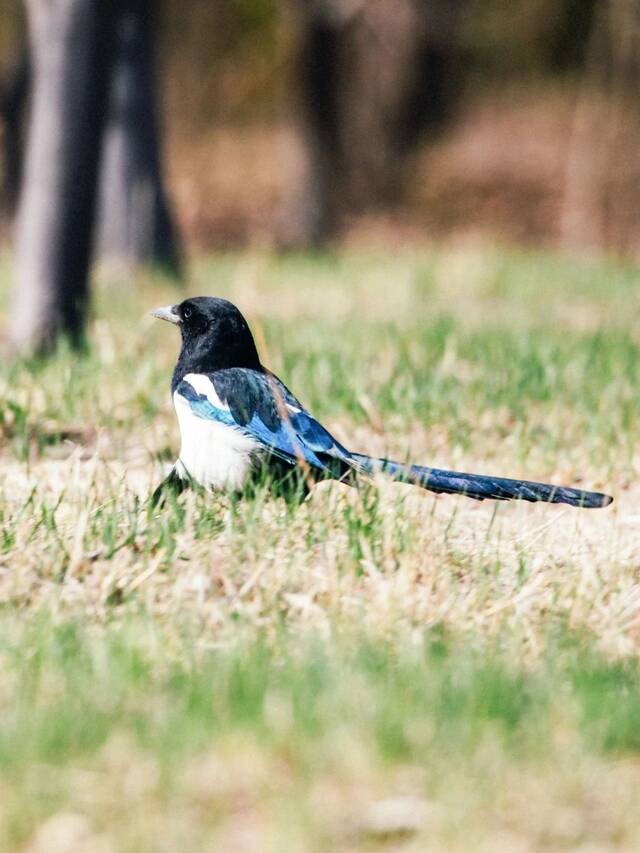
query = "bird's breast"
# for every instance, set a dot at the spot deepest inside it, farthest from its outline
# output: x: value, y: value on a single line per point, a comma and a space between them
x: 215, y: 455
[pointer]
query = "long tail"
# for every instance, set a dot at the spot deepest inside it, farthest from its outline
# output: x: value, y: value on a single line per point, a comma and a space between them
x: 480, y: 487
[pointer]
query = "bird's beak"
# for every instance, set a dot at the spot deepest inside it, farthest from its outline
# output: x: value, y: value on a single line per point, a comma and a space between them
x: 168, y: 313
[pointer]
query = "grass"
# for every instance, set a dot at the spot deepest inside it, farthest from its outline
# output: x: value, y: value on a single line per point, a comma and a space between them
x: 378, y: 670
x: 311, y: 746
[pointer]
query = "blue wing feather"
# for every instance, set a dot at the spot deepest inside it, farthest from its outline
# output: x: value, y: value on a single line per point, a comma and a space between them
x: 251, y: 406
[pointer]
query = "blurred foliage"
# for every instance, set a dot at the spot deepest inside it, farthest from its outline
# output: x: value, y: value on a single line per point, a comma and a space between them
x: 222, y: 60
x: 229, y: 59
x: 515, y: 38
x: 543, y: 153
x: 10, y: 13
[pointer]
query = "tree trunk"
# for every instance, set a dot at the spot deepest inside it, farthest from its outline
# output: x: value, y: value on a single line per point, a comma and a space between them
x: 313, y: 217
x: 373, y: 79
x: 71, y: 45
x: 134, y: 222
x: 13, y: 102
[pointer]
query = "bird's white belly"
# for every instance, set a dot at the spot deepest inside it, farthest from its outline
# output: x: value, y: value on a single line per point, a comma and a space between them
x: 213, y: 454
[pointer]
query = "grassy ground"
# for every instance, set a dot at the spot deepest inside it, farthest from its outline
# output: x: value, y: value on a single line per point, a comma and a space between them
x: 381, y: 670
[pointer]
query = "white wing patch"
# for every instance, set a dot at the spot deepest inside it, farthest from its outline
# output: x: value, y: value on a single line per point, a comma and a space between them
x: 203, y: 385
x: 215, y: 455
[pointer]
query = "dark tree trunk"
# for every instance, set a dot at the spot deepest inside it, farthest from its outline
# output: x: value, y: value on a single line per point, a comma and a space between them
x: 430, y: 92
x: 13, y: 107
x: 316, y: 218
x: 134, y: 222
x: 568, y: 45
x: 71, y: 45
x: 374, y: 78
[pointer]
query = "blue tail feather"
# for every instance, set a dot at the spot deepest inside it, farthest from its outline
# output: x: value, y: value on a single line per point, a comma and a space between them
x: 479, y: 486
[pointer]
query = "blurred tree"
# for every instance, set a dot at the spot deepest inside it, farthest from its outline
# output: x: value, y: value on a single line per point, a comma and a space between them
x: 13, y: 101
x: 602, y: 184
x: 314, y: 216
x: 374, y: 78
x: 71, y: 45
x: 569, y: 39
x: 134, y: 223
x: 93, y: 108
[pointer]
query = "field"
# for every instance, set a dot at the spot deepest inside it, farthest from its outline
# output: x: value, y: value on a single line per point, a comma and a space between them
x: 377, y: 670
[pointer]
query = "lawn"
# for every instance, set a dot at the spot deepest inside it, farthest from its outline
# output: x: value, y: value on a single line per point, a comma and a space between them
x: 380, y: 670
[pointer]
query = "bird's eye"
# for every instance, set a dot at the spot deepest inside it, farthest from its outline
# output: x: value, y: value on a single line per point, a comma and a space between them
x: 186, y: 313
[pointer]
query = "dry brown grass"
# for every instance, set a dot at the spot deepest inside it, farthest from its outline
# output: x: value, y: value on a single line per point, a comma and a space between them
x: 506, y: 363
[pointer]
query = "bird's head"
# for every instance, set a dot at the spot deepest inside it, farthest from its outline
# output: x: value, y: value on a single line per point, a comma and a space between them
x: 215, y: 335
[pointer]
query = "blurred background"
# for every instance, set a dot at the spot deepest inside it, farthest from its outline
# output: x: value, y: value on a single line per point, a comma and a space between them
x: 144, y: 131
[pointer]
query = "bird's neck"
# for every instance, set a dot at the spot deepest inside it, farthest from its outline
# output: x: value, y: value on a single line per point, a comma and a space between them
x: 192, y: 360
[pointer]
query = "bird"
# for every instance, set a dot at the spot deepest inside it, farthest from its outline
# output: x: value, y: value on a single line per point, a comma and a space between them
x: 238, y: 420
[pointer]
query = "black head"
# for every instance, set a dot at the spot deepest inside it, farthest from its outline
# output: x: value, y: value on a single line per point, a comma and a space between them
x: 215, y: 335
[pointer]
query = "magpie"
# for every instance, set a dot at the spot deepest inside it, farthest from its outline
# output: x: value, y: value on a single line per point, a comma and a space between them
x: 237, y: 418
